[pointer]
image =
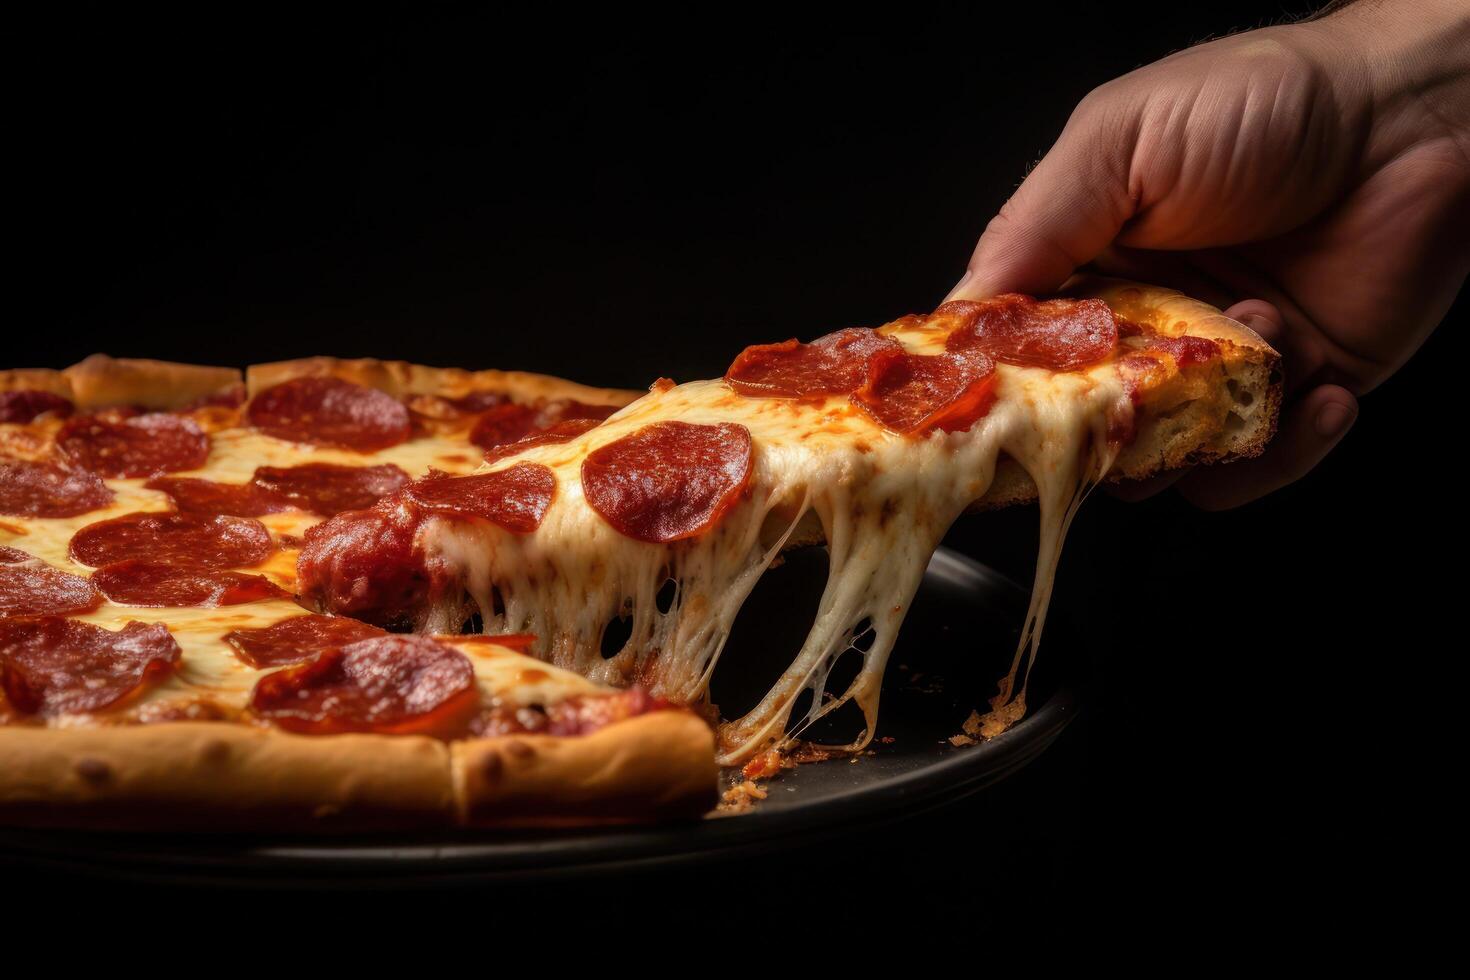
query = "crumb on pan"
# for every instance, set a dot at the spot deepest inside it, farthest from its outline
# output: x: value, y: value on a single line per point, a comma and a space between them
x: 741, y: 797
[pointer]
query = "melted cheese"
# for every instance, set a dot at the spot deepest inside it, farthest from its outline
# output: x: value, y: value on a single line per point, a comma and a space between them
x: 883, y: 502
x: 211, y: 675
x: 210, y: 672
x: 234, y: 455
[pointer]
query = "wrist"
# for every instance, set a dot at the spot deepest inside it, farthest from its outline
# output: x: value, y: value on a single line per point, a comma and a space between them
x: 1413, y: 55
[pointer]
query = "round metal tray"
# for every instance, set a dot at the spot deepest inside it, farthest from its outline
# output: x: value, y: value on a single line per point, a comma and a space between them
x: 956, y: 642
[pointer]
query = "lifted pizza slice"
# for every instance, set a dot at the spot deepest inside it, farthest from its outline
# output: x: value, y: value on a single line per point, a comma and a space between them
x: 870, y: 441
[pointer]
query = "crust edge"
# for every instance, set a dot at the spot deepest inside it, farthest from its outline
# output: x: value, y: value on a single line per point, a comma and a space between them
x: 190, y: 776
x: 100, y: 381
x: 660, y: 765
x: 402, y: 378
x: 37, y: 379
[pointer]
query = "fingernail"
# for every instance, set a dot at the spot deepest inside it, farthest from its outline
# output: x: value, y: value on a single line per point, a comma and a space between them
x: 1333, y: 419
x: 959, y: 285
x: 1260, y: 324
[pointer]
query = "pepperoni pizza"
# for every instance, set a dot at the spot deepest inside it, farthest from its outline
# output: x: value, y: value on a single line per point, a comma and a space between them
x: 363, y: 593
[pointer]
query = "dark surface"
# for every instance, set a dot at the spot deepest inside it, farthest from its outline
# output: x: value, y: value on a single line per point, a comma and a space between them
x: 623, y: 199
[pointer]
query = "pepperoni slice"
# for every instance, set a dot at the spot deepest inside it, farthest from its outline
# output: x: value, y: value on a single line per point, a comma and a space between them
x: 207, y: 497
x: 191, y: 539
x: 832, y: 365
x: 570, y: 409
x: 11, y: 555
x: 390, y: 684
x: 30, y: 489
x: 330, y: 412
x: 34, y: 589
x: 1058, y: 334
x: 510, y: 423
x: 293, y: 640
x: 478, y: 401
x: 141, y: 445
x: 158, y: 585
x: 555, y: 435
x: 515, y: 498
x: 915, y: 393
x: 504, y: 424
x: 327, y: 488
x: 436, y: 408
x: 669, y: 480
x: 26, y: 405
x: 363, y: 563
x: 55, y: 666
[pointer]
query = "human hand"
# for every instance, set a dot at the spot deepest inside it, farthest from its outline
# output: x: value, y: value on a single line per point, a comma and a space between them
x: 1311, y: 179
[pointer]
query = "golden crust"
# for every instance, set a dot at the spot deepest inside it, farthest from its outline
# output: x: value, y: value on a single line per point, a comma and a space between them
x: 659, y: 765
x: 36, y: 379
x: 101, y: 381
x: 401, y: 379
x: 220, y: 776
x: 213, y: 775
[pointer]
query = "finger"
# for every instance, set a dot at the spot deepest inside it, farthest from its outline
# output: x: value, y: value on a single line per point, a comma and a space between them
x: 1309, y: 429
x: 1262, y: 317
x: 1133, y: 491
x: 1301, y: 358
x: 1064, y: 213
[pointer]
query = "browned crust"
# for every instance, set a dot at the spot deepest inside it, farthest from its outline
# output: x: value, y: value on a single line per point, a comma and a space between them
x: 218, y: 776
x: 101, y: 381
x: 659, y: 765
x: 402, y: 379
x: 36, y: 379
x: 201, y: 775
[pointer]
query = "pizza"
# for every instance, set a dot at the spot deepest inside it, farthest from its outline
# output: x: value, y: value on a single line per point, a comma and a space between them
x: 150, y: 515
x: 337, y: 594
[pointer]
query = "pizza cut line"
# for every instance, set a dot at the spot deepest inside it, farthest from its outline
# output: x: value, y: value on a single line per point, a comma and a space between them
x: 342, y: 594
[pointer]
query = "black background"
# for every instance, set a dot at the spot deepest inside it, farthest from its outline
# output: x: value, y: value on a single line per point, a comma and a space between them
x: 618, y: 199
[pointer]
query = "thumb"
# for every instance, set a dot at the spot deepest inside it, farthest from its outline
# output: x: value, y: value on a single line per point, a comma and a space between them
x: 1066, y: 211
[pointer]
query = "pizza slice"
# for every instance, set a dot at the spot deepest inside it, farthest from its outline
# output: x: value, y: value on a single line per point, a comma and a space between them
x: 872, y: 441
